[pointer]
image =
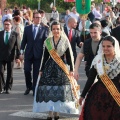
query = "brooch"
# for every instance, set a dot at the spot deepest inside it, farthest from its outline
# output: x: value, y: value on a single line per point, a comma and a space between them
x: 107, y: 67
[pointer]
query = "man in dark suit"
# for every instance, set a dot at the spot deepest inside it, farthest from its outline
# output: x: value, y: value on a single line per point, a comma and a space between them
x: 8, y: 46
x: 115, y: 32
x: 33, y: 39
x: 91, y: 15
x: 75, y: 35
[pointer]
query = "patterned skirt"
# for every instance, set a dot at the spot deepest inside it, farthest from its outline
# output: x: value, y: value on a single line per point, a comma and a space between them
x: 54, y: 92
x: 99, y: 105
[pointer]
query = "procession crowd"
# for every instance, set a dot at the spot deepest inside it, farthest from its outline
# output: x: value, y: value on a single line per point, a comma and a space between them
x: 47, y: 50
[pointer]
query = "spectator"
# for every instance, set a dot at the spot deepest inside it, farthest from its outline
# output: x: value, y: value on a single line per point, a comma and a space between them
x: 54, y: 15
x: 19, y: 29
x: 73, y: 35
x: 104, y: 24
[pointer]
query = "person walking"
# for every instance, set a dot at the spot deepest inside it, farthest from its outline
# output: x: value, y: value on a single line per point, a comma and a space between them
x: 54, y: 14
x: 115, y: 33
x: 9, y: 45
x: 33, y: 39
x: 19, y: 28
x: 55, y: 91
x: 73, y: 35
x: 103, y: 99
x: 89, y: 49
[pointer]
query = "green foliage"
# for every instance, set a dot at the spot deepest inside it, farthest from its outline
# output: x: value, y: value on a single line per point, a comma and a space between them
x: 44, y: 4
x: 60, y: 4
x: 19, y: 3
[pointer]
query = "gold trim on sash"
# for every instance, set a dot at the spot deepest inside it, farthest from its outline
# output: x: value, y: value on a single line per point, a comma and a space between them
x: 59, y: 61
x: 111, y: 87
x: 106, y: 80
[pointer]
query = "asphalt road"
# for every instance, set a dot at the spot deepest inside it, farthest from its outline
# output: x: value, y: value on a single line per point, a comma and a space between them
x: 17, y: 106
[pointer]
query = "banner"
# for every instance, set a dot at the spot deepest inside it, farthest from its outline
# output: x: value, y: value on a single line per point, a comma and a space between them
x: 106, y: 0
x: 69, y: 0
x: 83, y: 6
x: 51, y: 5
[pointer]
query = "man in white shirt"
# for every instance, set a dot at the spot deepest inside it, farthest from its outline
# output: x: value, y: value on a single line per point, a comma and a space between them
x: 9, y: 45
x: 54, y: 15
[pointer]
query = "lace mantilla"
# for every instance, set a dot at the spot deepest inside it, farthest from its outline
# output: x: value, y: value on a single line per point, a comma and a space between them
x: 113, y: 68
x: 62, y: 45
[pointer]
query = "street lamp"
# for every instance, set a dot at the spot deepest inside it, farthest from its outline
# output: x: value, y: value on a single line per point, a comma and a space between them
x: 38, y: 4
x: 114, y: 3
x: 54, y: 2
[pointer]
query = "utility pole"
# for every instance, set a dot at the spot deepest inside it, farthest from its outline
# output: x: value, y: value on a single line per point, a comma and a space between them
x: 54, y: 2
x: 113, y: 3
x: 38, y: 4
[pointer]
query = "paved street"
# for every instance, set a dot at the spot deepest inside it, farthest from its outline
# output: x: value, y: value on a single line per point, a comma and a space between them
x: 16, y: 106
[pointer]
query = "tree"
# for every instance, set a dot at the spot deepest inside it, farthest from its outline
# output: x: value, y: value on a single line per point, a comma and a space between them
x: 44, y: 4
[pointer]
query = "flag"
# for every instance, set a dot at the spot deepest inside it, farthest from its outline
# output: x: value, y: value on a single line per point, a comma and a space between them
x: 106, y: 0
x: 83, y: 6
x: 69, y: 0
x: 51, y: 5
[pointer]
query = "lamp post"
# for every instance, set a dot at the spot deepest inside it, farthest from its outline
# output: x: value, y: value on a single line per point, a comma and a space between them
x: 54, y: 2
x: 113, y: 3
x: 38, y: 4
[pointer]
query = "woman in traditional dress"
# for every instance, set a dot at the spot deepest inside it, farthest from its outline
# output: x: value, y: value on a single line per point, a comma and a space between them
x: 103, y: 99
x: 55, y: 90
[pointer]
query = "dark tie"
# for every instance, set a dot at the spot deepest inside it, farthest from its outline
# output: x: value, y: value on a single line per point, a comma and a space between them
x: 6, y: 38
x: 70, y: 35
x: 34, y: 31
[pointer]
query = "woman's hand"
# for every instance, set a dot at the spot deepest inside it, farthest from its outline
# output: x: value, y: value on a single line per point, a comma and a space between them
x: 17, y: 60
x: 76, y: 75
x: 80, y: 100
x: 21, y: 57
x: 71, y: 73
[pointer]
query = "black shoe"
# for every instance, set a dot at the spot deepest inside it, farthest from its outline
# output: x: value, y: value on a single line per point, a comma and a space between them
x: 49, y: 118
x: 7, y: 92
x: 56, y: 117
x: 27, y: 91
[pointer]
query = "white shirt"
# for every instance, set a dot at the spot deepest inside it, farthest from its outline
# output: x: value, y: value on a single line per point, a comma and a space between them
x: 98, y: 14
x: 76, y: 16
x: 87, y: 25
x: 106, y: 30
x: 68, y: 30
x: 55, y: 15
x: 36, y: 29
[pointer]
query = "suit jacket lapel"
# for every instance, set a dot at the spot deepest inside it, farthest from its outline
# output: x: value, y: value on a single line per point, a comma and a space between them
x: 3, y: 35
x: 73, y: 33
x: 31, y: 31
x: 10, y: 38
x: 66, y: 31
